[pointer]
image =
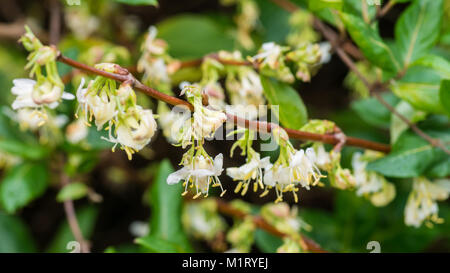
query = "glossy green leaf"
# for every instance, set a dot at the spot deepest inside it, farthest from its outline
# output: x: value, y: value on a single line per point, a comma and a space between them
x: 21, y: 185
x: 166, y: 232
x: 422, y: 96
x: 370, y: 42
x: 411, y: 156
x: 138, y: 2
x: 86, y: 217
x: 373, y: 112
x: 22, y: 149
x: 444, y: 95
x: 72, y: 191
x: 439, y: 64
x: 14, y: 235
x: 316, y: 5
x: 193, y: 36
x: 416, y: 30
x: 292, y: 110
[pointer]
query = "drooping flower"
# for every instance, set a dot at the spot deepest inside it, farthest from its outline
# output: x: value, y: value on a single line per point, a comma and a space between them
x: 134, y: 129
x: 199, y: 171
x: 421, y: 205
x: 369, y: 183
x: 32, y: 95
x: 292, y: 168
x: 77, y: 131
x: 251, y: 171
x: 96, y: 102
x: 204, y: 121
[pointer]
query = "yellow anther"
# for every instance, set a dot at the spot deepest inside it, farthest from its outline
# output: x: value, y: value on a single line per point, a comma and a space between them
x: 238, y: 187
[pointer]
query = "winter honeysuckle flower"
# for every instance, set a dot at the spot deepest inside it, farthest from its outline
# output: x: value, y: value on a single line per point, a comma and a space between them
x: 32, y: 119
x: 370, y: 184
x: 199, y: 171
x: 421, y: 205
x: 270, y: 54
x: 204, y: 121
x: 31, y: 95
x: 77, y: 131
x: 292, y: 168
x: 134, y: 129
x: 244, y: 86
x: 271, y: 60
x: 323, y: 158
x: 96, y: 101
x: 251, y: 171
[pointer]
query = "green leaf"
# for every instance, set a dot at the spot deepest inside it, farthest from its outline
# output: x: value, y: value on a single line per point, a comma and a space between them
x: 416, y: 30
x: 315, y: 5
x: 292, y: 111
x: 411, y: 156
x: 193, y: 36
x: 444, y: 95
x: 22, y: 149
x: 166, y: 232
x: 86, y: 217
x: 439, y: 64
x: 138, y: 2
x: 373, y: 112
x: 397, y: 125
x: 14, y: 235
x: 423, y: 96
x: 370, y: 42
x: 267, y: 242
x: 22, y: 184
x: 72, y: 191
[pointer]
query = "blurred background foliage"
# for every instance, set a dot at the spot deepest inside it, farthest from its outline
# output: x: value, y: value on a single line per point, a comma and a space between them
x: 136, y: 201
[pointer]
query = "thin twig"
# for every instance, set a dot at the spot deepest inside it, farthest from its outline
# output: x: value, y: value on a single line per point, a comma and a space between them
x: 386, y: 8
x: 123, y: 75
x: 71, y: 216
x: 227, y: 209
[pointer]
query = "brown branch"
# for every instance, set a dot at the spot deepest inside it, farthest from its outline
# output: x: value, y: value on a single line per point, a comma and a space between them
x: 330, y: 35
x: 71, y: 216
x: 123, y: 75
x: 227, y: 209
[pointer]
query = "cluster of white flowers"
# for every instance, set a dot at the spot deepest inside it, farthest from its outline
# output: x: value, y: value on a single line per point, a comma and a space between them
x: 246, y: 20
x: 154, y: 61
x: 199, y: 169
x: 272, y: 60
x: 421, y: 205
x: 35, y: 97
x: 369, y: 183
x: 133, y: 126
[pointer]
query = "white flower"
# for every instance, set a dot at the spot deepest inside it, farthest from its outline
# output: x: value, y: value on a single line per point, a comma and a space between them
x: 22, y: 89
x: 252, y: 170
x: 325, y: 49
x: 366, y: 182
x: 32, y: 119
x: 421, y: 205
x: 201, y: 171
x: 270, y: 54
x: 323, y: 158
x: 101, y: 106
x: 33, y: 96
x: 77, y: 131
x: 134, y: 130
x: 299, y: 169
